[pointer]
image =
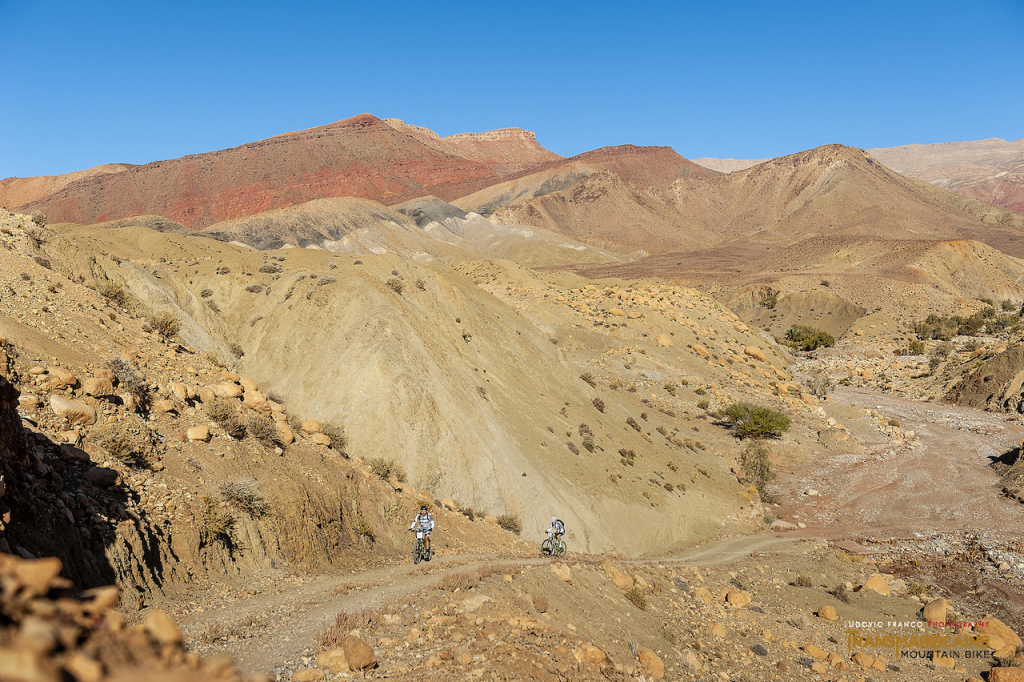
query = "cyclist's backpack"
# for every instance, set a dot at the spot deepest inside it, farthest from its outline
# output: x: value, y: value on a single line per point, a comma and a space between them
x: 560, y: 525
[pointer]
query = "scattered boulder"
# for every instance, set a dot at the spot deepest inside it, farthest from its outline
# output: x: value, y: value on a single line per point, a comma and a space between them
x: 333, y: 660
x: 1006, y: 675
x: 701, y: 350
x: 198, y: 434
x: 284, y: 433
x: 164, y: 407
x: 311, y: 426
x: 650, y: 664
x: 61, y: 378
x: 828, y: 612
x: 358, y: 653
x: 994, y: 626
x: 101, y: 477
x: 814, y: 651
x: 74, y: 411
x: 779, y: 525
x: 588, y: 653
x: 320, y: 439
x: 562, y: 571
x: 162, y: 627
x: 877, y: 584
x: 935, y: 611
x: 309, y: 675
x: 97, y: 387
x: 227, y: 390
x: 738, y: 598
x: 664, y: 340
x: 756, y: 353
x: 621, y: 579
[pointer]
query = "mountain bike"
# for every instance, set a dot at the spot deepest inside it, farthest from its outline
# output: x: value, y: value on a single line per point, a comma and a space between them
x: 420, y: 551
x: 553, y: 547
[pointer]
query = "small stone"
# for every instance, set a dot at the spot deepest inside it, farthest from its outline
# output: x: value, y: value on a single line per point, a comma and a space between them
x: 738, y: 598
x: 718, y: 630
x: 756, y: 353
x: 760, y: 649
x: 164, y: 406
x: 309, y: 675
x: 877, y: 584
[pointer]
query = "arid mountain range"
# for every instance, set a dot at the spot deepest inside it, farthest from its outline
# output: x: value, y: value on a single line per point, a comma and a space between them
x: 991, y: 170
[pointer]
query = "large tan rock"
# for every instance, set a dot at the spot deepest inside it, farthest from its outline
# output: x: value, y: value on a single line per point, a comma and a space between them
x: 333, y: 660
x: 1006, y: 675
x: 285, y: 433
x: 650, y: 663
x: 312, y: 426
x: 828, y: 612
x: 205, y: 394
x: 61, y: 378
x: 718, y: 630
x: 309, y: 675
x: 994, y: 626
x: 814, y: 651
x: 588, y: 653
x: 97, y: 387
x: 164, y: 406
x: 738, y: 598
x: 161, y: 626
x: 320, y: 439
x: 701, y: 350
x: 182, y: 392
x: 664, y: 340
x: 254, y: 398
x: 227, y: 390
x: 935, y: 611
x: 621, y: 579
x: 83, y: 668
x: 864, y: 660
x: 358, y: 653
x: 74, y: 411
x: 876, y: 583
x: 248, y: 384
x: 37, y: 575
x: 756, y: 353
x: 198, y: 434
x: 562, y: 571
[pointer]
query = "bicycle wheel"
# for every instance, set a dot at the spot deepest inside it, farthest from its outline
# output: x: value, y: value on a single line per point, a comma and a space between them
x: 417, y: 554
x: 560, y: 549
x: 546, y: 547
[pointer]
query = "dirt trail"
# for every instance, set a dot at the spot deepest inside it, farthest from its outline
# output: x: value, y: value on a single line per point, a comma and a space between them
x: 938, y: 481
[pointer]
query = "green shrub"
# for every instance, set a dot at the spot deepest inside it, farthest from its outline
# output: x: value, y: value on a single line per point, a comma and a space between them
x: 755, y: 421
x: 511, y: 522
x: 769, y: 297
x: 217, y: 523
x: 807, y: 338
x: 387, y: 468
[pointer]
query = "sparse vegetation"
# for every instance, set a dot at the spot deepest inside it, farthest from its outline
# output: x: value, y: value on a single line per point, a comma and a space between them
x: 511, y: 522
x: 337, y: 435
x: 598, y: 404
x: 387, y: 469
x: 245, y: 495
x: 803, y: 581
x: 396, y: 285
x: 637, y: 598
x: 841, y: 593
x: 769, y: 298
x: 589, y: 378
x: 217, y: 523
x: 38, y: 219
x: 263, y: 430
x: 819, y: 384
x: 270, y: 269
x: 945, y: 328
x: 757, y: 467
x: 914, y: 347
x: 225, y: 413
x: 703, y: 404
x: 254, y: 288
x: 206, y: 293
x: 421, y: 285
x: 633, y: 423
x: 755, y: 421
x: 114, y: 292
x: 236, y: 350
x: 123, y: 445
x: 128, y: 379
x: 805, y: 338
x: 364, y: 529
x: 165, y: 324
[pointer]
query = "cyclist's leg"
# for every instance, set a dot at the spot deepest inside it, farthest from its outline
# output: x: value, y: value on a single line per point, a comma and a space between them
x: 426, y: 539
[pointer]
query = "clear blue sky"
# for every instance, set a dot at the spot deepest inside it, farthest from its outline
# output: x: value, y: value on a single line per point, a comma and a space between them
x: 85, y: 83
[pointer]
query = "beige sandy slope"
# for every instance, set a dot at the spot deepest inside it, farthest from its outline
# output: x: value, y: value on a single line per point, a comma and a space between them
x: 458, y: 385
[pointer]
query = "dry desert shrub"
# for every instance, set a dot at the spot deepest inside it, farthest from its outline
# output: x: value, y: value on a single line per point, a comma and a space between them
x: 467, y: 580
x: 217, y: 523
x: 225, y: 413
x: 511, y: 522
x: 589, y: 378
x: 270, y: 269
x: 254, y: 288
x: 165, y: 324
x: 365, y: 620
x: 263, y: 430
x: 206, y: 293
x: 245, y: 495
x: 396, y: 285
x: 636, y: 598
x: 236, y: 350
x: 364, y: 529
x: 598, y: 404
x: 123, y: 445
x: 337, y: 435
x: 386, y: 468
x: 129, y: 380
x: 115, y: 293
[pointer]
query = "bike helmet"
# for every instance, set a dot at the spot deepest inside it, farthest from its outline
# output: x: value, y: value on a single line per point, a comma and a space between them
x: 423, y: 507
x: 553, y: 519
